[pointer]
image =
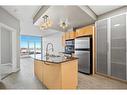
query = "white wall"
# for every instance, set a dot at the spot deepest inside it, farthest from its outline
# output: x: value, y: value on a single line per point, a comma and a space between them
x: 28, y: 28
x: 55, y: 39
x: 11, y: 21
x: 112, y: 13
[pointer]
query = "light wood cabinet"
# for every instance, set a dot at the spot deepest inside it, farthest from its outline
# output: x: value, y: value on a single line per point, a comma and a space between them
x: 88, y: 30
x: 68, y: 36
x: 57, y: 76
x: 69, y: 74
x: 38, y: 69
x: 71, y: 35
x: 63, y: 39
x: 52, y: 76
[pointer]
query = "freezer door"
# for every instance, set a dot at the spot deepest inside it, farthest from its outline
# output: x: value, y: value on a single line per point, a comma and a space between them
x: 84, y: 61
x: 83, y: 42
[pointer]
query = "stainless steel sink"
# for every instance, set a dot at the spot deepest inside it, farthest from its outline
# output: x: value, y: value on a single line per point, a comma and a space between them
x: 52, y: 55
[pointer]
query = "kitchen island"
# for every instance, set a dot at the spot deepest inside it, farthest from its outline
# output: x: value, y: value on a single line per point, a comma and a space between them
x: 57, y: 72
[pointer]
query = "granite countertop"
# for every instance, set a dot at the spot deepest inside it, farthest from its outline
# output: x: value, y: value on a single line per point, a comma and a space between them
x: 56, y: 60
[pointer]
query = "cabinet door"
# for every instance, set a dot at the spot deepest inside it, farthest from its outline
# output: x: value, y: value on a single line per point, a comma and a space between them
x: 88, y: 30
x: 38, y: 69
x: 118, y: 46
x: 72, y: 35
x: 101, y: 37
x: 63, y: 39
x: 52, y: 75
x: 67, y: 35
x: 81, y: 32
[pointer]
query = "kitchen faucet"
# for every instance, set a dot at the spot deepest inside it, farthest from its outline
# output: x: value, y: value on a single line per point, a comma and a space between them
x: 47, y: 54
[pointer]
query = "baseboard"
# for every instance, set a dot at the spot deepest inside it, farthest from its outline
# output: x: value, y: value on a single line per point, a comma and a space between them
x: 111, y: 77
x: 16, y: 70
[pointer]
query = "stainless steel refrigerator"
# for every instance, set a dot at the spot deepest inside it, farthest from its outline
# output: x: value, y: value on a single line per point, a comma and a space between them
x: 83, y: 50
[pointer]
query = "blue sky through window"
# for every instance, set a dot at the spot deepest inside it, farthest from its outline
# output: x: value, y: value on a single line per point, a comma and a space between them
x: 24, y: 41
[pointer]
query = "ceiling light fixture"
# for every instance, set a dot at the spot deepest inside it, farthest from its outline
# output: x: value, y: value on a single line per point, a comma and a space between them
x: 46, y: 22
x: 64, y: 23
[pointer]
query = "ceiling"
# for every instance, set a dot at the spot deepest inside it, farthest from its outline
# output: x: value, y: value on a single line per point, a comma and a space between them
x: 25, y: 15
x: 99, y: 10
x: 75, y: 15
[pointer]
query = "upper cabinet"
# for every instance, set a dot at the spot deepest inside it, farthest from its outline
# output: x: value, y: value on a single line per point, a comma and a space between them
x: 88, y: 30
x: 72, y: 35
x: 63, y: 39
x: 85, y: 31
x: 69, y: 35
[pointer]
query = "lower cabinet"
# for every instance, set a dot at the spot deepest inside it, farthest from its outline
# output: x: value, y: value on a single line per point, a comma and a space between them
x: 57, y: 76
x: 112, y: 47
x: 52, y: 76
x: 38, y: 69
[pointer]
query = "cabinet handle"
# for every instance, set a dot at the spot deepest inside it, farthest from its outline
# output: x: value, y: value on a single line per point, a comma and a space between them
x: 107, y: 47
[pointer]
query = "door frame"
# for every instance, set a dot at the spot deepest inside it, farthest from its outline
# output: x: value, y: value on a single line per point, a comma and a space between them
x: 14, y: 46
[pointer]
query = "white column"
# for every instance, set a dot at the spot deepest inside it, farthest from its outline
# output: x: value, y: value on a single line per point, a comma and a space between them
x: 34, y: 49
x: 41, y: 48
x: 14, y: 51
x: 28, y: 49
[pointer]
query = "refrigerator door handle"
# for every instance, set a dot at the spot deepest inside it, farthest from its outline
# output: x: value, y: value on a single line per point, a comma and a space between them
x: 107, y: 46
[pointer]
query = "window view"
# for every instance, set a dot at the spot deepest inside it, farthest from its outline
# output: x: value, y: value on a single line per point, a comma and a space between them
x: 30, y: 46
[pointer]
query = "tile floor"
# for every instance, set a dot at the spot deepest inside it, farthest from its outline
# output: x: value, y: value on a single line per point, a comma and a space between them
x: 25, y: 79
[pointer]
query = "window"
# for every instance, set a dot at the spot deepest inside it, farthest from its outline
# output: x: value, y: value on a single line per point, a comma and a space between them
x: 30, y: 46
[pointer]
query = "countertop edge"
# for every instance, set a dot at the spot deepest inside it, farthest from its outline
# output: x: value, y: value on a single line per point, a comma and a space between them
x: 71, y: 59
